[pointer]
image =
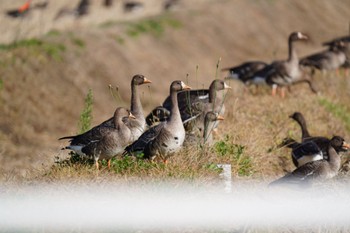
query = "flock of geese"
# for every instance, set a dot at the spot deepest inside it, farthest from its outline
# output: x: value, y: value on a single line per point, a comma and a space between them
x: 284, y: 73
x: 188, y: 118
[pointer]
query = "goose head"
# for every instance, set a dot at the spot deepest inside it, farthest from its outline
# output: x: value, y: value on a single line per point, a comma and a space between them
x: 219, y: 85
x: 298, y: 36
x: 139, y: 80
x: 178, y: 86
x: 213, y: 116
x: 297, y: 116
x: 339, y: 144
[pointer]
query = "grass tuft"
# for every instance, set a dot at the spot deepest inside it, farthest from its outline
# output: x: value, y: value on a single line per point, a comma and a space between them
x: 154, y: 26
x: 235, y: 152
x: 338, y: 110
x: 86, y: 115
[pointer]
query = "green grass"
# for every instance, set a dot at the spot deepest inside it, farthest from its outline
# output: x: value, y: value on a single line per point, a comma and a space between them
x: 53, y: 50
x: 155, y: 26
x: 1, y: 84
x: 235, y: 152
x: 78, y: 42
x: 86, y: 115
x: 338, y: 110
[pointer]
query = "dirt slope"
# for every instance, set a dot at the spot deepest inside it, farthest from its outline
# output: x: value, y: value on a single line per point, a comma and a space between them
x: 43, y: 91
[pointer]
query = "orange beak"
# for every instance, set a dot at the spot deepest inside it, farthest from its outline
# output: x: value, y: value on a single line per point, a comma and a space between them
x: 131, y: 116
x: 346, y: 146
x: 145, y: 80
x: 220, y: 118
x: 185, y: 87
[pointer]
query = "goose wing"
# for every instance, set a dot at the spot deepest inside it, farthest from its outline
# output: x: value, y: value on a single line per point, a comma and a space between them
x: 148, y: 136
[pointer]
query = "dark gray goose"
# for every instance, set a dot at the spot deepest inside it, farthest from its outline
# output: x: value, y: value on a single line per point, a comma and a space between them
x: 284, y: 72
x: 245, y: 71
x: 304, y: 152
x: 195, y: 104
x: 346, y: 41
x: 312, y: 147
x: 113, y: 139
x: 330, y: 59
x: 320, y: 169
x: 136, y: 125
x: 192, y: 139
x: 166, y: 138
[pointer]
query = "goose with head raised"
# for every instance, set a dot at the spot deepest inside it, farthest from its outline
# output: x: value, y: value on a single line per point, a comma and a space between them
x: 136, y: 125
x: 166, y: 138
x: 285, y: 72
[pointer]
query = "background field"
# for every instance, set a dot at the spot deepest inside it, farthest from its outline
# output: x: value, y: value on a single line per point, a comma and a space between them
x: 43, y: 82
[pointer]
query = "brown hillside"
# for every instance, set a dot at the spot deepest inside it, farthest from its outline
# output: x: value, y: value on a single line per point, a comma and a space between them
x: 44, y: 86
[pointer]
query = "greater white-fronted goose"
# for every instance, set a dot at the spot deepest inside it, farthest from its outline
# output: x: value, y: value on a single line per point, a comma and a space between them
x: 320, y: 169
x: 285, y: 72
x: 195, y: 104
x: 112, y: 140
x: 308, y: 150
x: 136, y: 125
x: 345, y: 40
x: 330, y: 59
x: 192, y: 139
x: 166, y: 138
x: 245, y: 71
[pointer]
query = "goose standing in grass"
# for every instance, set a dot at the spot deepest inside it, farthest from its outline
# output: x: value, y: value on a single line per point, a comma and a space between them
x: 112, y: 141
x: 136, y: 125
x: 311, y: 148
x: 285, y: 72
x: 192, y: 139
x: 195, y: 104
x: 245, y: 71
x: 320, y: 169
x: 331, y: 59
x: 166, y: 138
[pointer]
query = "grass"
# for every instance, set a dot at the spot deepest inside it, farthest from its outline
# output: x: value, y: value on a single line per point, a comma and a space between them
x: 86, y: 114
x: 338, y: 110
x: 36, y: 47
x: 154, y: 26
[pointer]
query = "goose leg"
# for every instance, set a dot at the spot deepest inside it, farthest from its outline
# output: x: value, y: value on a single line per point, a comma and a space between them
x: 96, y: 164
x: 283, y: 92
x: 274, y: 89
x: 109, y: 164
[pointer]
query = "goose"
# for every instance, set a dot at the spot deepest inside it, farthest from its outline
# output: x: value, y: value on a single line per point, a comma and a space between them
x: 245, y: 71
x: 311, y: 148
x: 207, y: 138
x: 320, y: 169
x: 284, y: 72
x: 112, y: 140
x: 345, y: 40
x: 195, y: 104
x: 166, y: 138
x: 331, y: 59
x: 136, y: 125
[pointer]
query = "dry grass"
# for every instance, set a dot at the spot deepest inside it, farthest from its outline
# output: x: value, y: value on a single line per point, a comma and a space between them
x: 44, y: 88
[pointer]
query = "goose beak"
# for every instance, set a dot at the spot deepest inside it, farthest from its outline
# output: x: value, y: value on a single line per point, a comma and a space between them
x: 220, y: 118
x: 346, y: 146
x: 131, y: 116
x: 145, y: 80
x: 227, y: 86
x: 185, y: 87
